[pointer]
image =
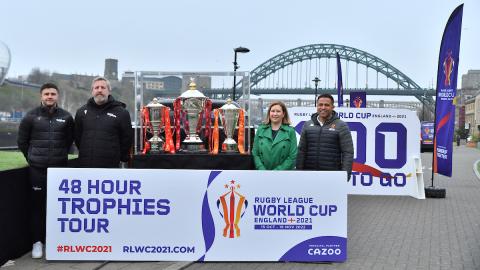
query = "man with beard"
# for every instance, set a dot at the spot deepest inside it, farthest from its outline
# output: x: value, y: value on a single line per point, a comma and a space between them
x: 103, y: 129
x: 325, y: 143
x: 44, y: 137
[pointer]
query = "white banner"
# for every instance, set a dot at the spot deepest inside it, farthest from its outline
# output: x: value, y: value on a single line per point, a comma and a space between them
x: 387, y: 149
x: 190, y: 215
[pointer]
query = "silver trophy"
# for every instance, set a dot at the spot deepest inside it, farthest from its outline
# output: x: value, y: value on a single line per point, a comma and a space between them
x: 229, y: 117
x: 193, y: 103
x: 155, y: 111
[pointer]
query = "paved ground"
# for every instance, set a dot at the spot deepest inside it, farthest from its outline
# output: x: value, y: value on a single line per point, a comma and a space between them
x: 383, y: 232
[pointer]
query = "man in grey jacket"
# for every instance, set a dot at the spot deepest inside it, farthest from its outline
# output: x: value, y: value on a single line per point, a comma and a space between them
x: 325, y: 143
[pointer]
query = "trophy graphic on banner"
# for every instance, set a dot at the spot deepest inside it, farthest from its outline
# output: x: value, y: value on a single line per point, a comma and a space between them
x: 230, y: 116
x: 191, y: 107
x: 156, y: 118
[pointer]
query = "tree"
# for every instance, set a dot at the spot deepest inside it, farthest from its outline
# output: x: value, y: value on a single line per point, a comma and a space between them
x: 37, y: 76
x: 462, y: 133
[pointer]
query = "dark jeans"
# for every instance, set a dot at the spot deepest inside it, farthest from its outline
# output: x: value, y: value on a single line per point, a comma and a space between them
x: 38, y: 182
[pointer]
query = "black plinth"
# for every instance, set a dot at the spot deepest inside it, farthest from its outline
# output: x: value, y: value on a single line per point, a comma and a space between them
x: 434, y: 192
x: 223, y: 161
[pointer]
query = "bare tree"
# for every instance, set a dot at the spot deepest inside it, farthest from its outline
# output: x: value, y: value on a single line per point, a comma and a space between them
x: 38, y: 76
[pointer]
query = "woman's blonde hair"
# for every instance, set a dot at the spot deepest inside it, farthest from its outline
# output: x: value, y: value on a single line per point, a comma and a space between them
x: 286, y: 118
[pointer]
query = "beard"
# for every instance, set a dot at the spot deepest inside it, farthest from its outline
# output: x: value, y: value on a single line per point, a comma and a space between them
x: 100, y: 99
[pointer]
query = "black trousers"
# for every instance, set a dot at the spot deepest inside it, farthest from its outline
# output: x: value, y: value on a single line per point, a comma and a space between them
x: 38, y: 182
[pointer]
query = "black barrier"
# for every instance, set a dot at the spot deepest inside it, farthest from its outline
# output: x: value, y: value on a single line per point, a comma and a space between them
x: 15, y: 237
x: 194, y: 161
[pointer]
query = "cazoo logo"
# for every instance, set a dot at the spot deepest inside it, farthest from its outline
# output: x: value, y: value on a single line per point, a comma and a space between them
x: 324, y: 251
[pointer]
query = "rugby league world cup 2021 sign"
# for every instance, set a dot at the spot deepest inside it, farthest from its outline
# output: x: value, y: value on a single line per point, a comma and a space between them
x: 190, y: 215
x: 387, y: 149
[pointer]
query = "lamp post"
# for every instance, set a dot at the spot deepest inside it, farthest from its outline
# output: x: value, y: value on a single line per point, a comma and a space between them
x: 424, y: 97
x: 235, y: 67
x: 316, y: 81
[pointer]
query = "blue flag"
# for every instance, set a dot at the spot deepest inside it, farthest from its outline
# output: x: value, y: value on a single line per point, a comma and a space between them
x: 446, y: 93
x: 358, y: 99
x: 339, y: 82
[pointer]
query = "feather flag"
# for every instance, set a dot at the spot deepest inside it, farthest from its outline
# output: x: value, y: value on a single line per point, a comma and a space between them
x: 446, y: 93
x: 339, y: 82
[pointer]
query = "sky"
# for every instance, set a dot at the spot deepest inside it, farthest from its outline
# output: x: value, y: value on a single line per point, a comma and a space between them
x: 191, y: 35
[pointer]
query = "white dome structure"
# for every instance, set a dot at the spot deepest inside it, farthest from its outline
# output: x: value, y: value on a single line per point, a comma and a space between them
x: 5, y: 58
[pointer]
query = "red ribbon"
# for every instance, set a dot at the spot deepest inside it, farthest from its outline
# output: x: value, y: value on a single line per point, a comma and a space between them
x: 177, y: 111
x: 146, y: 124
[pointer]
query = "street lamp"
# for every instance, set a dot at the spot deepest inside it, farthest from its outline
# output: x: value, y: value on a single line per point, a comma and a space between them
x: 235, y: 67
x: 424, y: 97
x: 316, y: 81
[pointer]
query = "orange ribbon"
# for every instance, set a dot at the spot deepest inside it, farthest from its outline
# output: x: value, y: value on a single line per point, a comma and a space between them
x: 215, y: 139
x: 241, y: 132
x: 168, y: 145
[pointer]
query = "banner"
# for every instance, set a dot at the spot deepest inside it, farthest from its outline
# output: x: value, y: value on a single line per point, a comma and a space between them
x: 358, y: 99
x: 339, y: 82
x: 427, y: 132
x: 446, y: 93
x: 190, y: 215
x: 387, y: 149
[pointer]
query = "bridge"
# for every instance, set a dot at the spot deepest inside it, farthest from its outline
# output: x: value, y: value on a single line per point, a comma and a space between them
x: 292, y: 72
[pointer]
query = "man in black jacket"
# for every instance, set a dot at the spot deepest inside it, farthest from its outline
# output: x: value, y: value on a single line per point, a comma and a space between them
x: 325, y: 143
x: 103, y: 129
x: 44, y: 137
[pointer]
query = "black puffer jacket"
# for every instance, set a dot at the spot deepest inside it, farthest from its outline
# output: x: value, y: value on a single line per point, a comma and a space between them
x: 45, y: 136
x: 103, y: 134
x: 325, y: 148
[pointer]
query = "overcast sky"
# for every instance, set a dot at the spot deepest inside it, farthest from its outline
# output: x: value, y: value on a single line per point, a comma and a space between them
x: 77, y: 36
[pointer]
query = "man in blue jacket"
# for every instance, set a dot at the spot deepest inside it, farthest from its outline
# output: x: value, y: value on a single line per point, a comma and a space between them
x: 44, y: 137
x: 325, y: 143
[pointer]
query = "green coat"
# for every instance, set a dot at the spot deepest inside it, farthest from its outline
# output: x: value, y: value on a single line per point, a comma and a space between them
x: 278, y: 154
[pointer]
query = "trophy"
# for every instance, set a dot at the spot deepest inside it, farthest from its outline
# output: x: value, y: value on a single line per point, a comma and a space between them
x: 194, y: 105
x: 155, y: 116
x: 229, y: 118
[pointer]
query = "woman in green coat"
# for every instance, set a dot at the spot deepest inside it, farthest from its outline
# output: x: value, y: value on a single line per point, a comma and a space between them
x: 275, y: 143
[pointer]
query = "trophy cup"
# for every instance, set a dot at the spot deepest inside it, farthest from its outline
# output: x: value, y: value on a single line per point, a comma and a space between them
x: 155, y: 111
x: 229, y: 118
x: 194, y: 104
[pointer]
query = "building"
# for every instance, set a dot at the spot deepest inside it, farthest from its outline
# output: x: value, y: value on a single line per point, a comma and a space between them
x: 168, y: 86
x: 464, y: 115
x: 471, y: 80
x: 476, y: 116
x: 470, y: 115
x: 111, y: 69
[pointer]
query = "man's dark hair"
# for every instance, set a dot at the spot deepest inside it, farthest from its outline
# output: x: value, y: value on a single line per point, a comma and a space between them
x: 326, y: 96
x: 49, y: 85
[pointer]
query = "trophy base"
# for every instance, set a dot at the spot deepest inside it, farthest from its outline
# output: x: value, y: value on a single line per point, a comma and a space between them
x: 230, y: 147
x: 156, y: 146
x: 193, y: 144
x: 194, y: 147
x: 156, y: 151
